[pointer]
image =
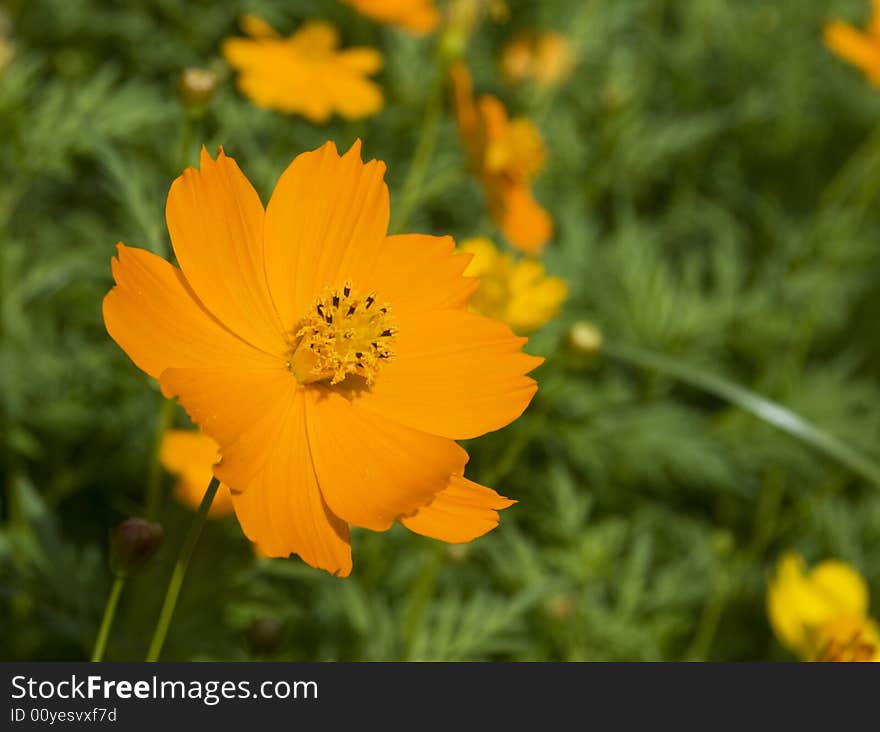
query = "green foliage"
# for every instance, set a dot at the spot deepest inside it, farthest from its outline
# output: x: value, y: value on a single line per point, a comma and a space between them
x: 713, y: 172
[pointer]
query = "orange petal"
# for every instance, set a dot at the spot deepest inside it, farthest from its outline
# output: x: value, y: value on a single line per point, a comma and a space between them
x: 460, y: 512
x: 256, y: 27
x: 189, y: 455
x: 231, y: 405
x: 416, y: 272
x: 362, y: 60
x: 282, y: 510
x: 851, y: 44
x: 524, y: 222
x: 157, y: 320
x: 325, y: 223
x: 215, y: 219
x: 456, y: 374
x: 372, y: 470
x: 351, y: 95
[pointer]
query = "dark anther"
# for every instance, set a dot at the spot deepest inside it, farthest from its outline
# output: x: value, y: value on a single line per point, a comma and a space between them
x: 383, y: 310
x: 386, y: 333
x: 346, y: 290
x: 358, y: 354
x: 320, y: 309
x: 336, y: 301
x: 329, y: 318
x: 370, y: 300
x: 351, y: 309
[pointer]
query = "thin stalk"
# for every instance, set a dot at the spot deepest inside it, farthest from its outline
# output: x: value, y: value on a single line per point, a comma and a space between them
x: 107, y: 620
x: 415, y: 177
x: 179, y: 573
x: 764, y: 409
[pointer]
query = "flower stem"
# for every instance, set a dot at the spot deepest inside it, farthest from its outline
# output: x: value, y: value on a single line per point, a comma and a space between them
x: 409, y: 197
x: 107, y: 620
x: 769, y: 411
x: 177, y: 576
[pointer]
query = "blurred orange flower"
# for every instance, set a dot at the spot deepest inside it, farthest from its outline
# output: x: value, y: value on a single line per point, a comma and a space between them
x: 416, y: 16
x: 860, y: 48
x: 504, y: 154
x: 190, y: 455
x: 306, y: 73
x: 545, y: 58
x: 333, y: 364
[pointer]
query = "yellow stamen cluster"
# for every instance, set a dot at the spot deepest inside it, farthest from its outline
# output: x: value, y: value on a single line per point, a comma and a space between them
x: 344, y: 333
x: 847, y: 639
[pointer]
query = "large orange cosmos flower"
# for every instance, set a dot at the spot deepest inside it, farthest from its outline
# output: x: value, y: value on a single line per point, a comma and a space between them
x: 416, y: 16
x: 860, y: 48
x: 306, y: 73
x: 505, y: 154
x: 334, y: 365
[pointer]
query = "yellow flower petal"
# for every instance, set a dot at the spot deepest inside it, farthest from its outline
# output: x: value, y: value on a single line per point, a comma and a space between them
x: 858, y: 48
x: 461, y: 512
x: 372, y: 470
x: 154, y: 316
x: 456, y: 374
x: 325, y: 224
x: 189, y: 455
x: 416, y: 16
x: 282, y: 509
x: 215, y: 219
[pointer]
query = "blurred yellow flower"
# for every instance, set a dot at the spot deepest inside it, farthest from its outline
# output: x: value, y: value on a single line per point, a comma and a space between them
x: 860, y: 48
x: 822, y: 614
x: 416, y: 16
x: 517, y: 292
x: 306, y: 73
x: 191, y: 455
x: 504, y: 154
x: 545, y: 58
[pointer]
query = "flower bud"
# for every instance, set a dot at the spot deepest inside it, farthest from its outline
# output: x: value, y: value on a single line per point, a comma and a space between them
x: 134, y: 543
x: 585, y: 338
x: 197, y: 86
x: 560, y: 606
x: 457, y: 552
x: 266, y: 634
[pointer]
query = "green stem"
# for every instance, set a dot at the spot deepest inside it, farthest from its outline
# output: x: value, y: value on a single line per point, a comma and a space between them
x: 107, y: 620
x: 769, y: 411
x: 409, y: 196
x: 179, y: 573
x: 154, y: 477
x: 420, y: 595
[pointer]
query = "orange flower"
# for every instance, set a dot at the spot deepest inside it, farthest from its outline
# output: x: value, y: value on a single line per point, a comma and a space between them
x: 505, y: 154
x: 860, y: 48
x: 334, y: 365
x: 416, y: 16
x: 190, y: 455
x: 545, y: 58
x: 306, y: 73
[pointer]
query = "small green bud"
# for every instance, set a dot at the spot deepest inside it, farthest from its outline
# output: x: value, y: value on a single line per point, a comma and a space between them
x: 197, y: 87
x: 585, y: 338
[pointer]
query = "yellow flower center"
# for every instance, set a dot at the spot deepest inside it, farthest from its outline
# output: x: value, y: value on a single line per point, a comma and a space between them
x: 845, y: 638
x: 344, y: 333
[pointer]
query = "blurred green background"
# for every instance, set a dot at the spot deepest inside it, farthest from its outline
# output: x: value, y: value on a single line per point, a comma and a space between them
x: 713, y: 172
